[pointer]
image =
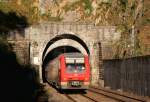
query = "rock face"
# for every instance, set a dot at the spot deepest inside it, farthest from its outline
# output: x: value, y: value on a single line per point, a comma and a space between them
x: 144, y: 30
x: 106, y: 12
x: 122, y: 13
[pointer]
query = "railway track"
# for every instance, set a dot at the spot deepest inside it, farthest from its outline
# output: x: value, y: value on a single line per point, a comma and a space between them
x: 70, y: 98
x: 89, y: 98
x: 80, y: 98
x: 100, y: 95
x: 93, y: 94
x: 115, y: 96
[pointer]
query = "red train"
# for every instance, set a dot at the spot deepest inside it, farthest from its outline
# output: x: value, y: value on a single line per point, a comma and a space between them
x: 69, y: 71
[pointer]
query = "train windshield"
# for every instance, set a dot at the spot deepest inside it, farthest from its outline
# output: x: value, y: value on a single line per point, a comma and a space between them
x: 75, y: 67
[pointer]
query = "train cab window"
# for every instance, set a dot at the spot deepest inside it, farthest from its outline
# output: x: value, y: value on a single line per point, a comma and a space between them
x: 75, y: 67
x: 70, y: 67
x: 80, y: 67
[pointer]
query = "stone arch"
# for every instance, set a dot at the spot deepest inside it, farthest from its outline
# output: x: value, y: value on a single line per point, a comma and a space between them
x: 65, y: 36
x: 66, y: 42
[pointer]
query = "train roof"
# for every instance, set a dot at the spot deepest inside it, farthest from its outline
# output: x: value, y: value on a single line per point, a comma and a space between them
x: 73, y: 55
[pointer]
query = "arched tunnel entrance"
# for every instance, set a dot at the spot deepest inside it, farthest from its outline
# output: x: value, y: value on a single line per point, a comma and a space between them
x: 65, y: 43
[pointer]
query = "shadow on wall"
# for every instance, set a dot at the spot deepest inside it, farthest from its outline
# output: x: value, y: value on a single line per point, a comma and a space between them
x: 12, y: 22
x: 18, y: 83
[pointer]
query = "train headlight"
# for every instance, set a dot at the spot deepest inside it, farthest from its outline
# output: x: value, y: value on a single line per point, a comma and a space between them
x: 75, y: 71
x: 86, y: 83
x: 65, y: 78
x: 83, y: 68
x: 86, y: 79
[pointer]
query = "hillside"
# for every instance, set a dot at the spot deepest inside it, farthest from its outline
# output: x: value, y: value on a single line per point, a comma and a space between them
x: 121, y: 13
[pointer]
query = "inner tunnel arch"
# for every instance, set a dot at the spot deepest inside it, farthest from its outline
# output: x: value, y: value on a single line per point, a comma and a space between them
x: 65, y: 36
x: 67, y: 42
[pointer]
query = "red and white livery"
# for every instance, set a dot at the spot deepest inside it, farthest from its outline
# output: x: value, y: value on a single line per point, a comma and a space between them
x: 69, y: 71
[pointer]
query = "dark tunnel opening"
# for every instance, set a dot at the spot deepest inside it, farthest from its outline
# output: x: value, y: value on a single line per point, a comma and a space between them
x: 55, y: 53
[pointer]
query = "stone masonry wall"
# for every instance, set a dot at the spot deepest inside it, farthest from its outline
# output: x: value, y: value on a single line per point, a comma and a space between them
x: 21, y: 48
x: 30, y: 46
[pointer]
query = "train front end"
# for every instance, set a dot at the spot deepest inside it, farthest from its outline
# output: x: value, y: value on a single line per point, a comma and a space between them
x: 75, y: 72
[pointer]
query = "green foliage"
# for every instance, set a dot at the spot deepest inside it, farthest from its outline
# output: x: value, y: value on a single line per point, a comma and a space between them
x: 67, y: 7
x: 48, y: 17
x: 88, y: 7
x: 86, y: 4
x: 4, y: 7
x: 123, y: 4
x: 72, y: 6
x: 24, y: 9
x: 57, y: 19
x: 146, y: 21
x: 122, y: 28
